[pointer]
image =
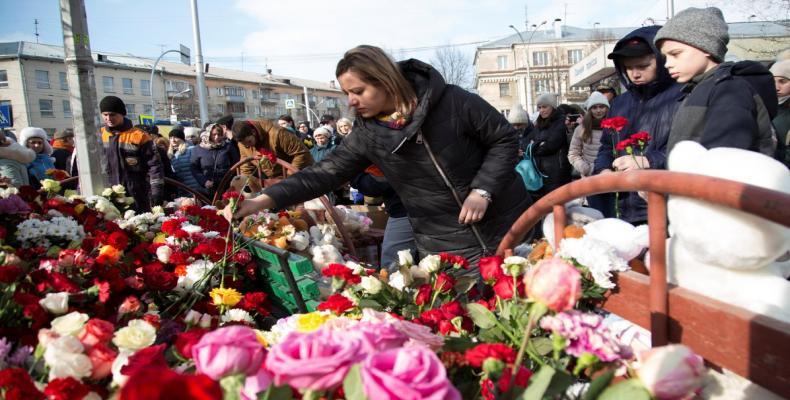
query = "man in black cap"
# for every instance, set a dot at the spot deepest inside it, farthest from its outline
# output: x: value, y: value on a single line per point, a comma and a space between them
x: 131, y: 159
x: 649, y: 105
x: 226, y: 123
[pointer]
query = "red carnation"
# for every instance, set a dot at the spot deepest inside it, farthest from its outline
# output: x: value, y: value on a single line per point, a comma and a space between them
x: 254, y: 302
x: 491, y: 269
x: 431, y: 318
x: 446, y: 327
x: 624, y: 144
x: 161, y: 281
x: 172, y: 225
x: 9, y: 274
x: 153, y: 319
x: 162, y: 382
x: 336, y: 303
x: 145, y: 359
x: 423, y: 295
x: 186, y: 340
x: 118, y: 240
x: 444, y: 283
x: 641, y: 136
x: 522, y: 378
x: 341, y: 271
x: 499, y: 351
x: 18, y: 385
x: 96, y: 331
x: 242, y: 256
x: 616, y: 123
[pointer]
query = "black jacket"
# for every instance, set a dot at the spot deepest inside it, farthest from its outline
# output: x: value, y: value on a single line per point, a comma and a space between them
x: 473, y: 143
x: 373, y: 186
x: 61, y: 157
x: 550, y: 151
x: 650, y: 108
x: 213, y: 164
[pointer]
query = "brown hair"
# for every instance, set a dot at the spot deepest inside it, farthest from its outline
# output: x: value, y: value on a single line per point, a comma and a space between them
x: 373, y: 66
x: 588, y: 124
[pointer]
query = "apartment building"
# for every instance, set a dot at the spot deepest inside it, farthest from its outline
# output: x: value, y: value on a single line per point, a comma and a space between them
x: 33, y: 81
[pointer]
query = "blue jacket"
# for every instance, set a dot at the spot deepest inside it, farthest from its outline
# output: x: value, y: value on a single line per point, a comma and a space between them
x: 319, y: 152
x: 183, y: 169
x: 650, y: 108
x: 38, y: 168
x: 212, y: 164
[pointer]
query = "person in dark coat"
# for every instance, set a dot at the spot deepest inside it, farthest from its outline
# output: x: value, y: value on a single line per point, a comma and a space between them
x: 519, y: 118
x: 649, y: 105
x: 131, y: 158
x: 550, y: 146
x: 212, y: 159
x: 721, y: 108
x: 323, y: 145
x: 62, y: 147
x: 449, y: 155
x: 781, y: 72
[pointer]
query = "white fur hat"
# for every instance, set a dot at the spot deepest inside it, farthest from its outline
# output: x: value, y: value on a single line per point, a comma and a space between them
x: 322, y: 131
x: 33, y: 132
x: 518, y: 115
x: 596, y: 98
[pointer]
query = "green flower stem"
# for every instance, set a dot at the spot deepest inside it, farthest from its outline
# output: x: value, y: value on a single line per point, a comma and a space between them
x: 535, y: 313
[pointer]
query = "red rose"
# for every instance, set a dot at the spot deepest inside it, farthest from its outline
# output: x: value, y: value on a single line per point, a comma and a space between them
x: 9, y: 274
x: 102, y: 357
x: 184, y: 341
x: 446, y: 327
x: 96, y: 331
x: 66, y: 389
x: 452, y: 309
x: 431, y: 318
x: 499, y: 351
x: 336, y: 303
x: 61, y: 283
x: 423, y: 295
x: 18, y: 385
x: 161, y: 281
x: 145, y: 359
x: 242, y: 257
x: 491, y: 269
x: 522, y: 378
x: 504, y: 288
x: 162, y: 383
x: 616, y: 123
x: 118, y: 240
x: 444, y: 283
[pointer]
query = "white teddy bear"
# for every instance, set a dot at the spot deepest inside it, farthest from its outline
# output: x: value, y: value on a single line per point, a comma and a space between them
x: 724, y: 253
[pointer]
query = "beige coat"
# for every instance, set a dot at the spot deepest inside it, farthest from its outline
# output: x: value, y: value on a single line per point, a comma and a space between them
x: 582, y: 154
x: 285, y: 145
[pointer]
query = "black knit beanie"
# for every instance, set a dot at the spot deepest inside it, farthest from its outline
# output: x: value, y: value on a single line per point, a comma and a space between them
x: 112, y: 104
x: 177, y: 133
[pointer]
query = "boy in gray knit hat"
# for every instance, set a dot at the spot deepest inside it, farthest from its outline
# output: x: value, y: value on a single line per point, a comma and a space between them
x: 726, y: 104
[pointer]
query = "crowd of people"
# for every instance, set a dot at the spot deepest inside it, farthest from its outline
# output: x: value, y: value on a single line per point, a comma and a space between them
x: 442, y: 158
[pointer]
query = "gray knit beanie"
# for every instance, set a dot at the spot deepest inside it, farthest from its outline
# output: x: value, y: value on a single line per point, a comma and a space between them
x: 518, y: 115
x: 703, y: 28
x: 547, y: 99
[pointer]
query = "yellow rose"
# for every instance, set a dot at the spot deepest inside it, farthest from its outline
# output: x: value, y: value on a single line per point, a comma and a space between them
x: 138, y: 334
x: 311, y: 321
x: 225, y: 296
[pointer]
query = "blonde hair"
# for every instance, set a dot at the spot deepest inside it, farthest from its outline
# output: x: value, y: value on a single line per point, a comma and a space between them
x: 373, y: 66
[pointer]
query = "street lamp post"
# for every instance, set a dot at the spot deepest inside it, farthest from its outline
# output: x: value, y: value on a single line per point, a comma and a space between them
x: 526, y: 55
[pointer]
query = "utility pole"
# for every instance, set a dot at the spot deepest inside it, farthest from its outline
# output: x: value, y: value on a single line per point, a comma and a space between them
x: 307, y: 106
x: 35, y: 22
x: 82, y: 92
x: 199, y: 69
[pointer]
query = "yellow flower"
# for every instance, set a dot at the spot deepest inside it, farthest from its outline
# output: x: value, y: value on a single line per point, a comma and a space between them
x: 311, y: 321
x: 261, y: 338
x: 79, y: 208
x: 160, y: 237
x: 225, y: 296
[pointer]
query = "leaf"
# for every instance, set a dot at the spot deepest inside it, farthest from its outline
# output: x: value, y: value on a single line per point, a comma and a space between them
x: 598, y: 385
x: 493, y: 335
x: 547, y: 383
x: 542, y: 345
x: 457, y: 344
x: 370, y: 303
x: 481, y: 316
x: 352, y: 384
x: 464, y: 283
x: 631, y: 389
x: 231, y: 386
x: 276, y: 393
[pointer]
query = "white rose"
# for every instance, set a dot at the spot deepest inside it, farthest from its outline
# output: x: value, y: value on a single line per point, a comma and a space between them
x: 120, y: 361
x: 106, y: 192
x: 192, y: 317
x: 55, y: 303
x: 431, y: 264
x: 405, y: 258
x: 69, y: 324
x: 128, y: 214
x: 418, y: 273
x: 118, y: 189
x: 371, y: 284
x: 396, y: 280
x: 355, y: 267
x: 205, y: 321
x: 163, y: 253
x: 514, y: 265
x: 65, y: 359
x: 136, y: 335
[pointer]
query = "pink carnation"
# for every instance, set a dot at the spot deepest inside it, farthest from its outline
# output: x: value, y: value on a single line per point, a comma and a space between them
x: 585, y: 334
x: 418, y: 334
x: 376, y: 337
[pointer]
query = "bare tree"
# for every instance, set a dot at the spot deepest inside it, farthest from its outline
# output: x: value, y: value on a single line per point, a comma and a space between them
x: 454, y: 66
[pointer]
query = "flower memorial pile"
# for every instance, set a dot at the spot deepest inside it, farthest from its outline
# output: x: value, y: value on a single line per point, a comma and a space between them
x: 166, y: 305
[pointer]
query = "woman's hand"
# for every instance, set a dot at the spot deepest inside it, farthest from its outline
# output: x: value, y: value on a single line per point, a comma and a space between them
x: 474, y: 208
x: 248, y: 207
x: 627, y: 163
x: 208, y: 184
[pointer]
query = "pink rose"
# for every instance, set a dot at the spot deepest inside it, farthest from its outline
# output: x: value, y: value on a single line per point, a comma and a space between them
x: 418, y: 334
x: 102, y: 357
x: 255, y: 384
x: 227, y: 351
x: 555, y: 283
x: 317, y: 360
x: 96, y: 331
x: 671, y: 372
x: 376, y: 337
x: 407, y: 373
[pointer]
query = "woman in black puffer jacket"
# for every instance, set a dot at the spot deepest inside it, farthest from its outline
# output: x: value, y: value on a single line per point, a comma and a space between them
x: 550, y: 146
x: 447, y: 153
x: 212, y: 159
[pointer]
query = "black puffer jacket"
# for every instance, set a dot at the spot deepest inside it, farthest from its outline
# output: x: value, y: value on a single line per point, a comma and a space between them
x: 211, y: 164
x: 473, y: 143
x: 550, y: 151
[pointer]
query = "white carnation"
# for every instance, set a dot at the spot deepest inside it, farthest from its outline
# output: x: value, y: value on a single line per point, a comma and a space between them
x: 64, y: 358
x: 136, y: 335
x: 69, y: 324
x: 237, y: 315
x: 597, y: 256
x: 55, y: 303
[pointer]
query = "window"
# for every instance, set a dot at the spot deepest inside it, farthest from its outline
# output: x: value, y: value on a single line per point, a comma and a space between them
x: 254, y: 94
x: 45, y: 106
x: 3, y: 78
x: 147, y: 109
x: 176, y: 87
x: 236, y: 108
x: 501, y: 62
x: 130, y: 112
x: 574, y: 56
x: 42, y: 79
x: 64, y: 83
x: 219, y: 91
x: 221, y: 107
x: 108, y: 82
x: 505, y: 112
x: 541, y: 86
x: 540, y: 58
x: 128, y: 87
x: 504, y: 89
x: 66, y: 108
x: 145, y: 87
x: 234, y: 91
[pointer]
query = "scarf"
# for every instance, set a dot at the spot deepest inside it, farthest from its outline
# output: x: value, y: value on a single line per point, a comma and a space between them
x: 395, y: 120
x: 61, y: 144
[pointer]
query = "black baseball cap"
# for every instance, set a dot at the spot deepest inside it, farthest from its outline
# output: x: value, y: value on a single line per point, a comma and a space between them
x: 635, y: 47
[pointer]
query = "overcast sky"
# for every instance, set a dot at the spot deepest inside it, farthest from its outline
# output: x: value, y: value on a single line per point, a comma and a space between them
x: 305, y: 38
